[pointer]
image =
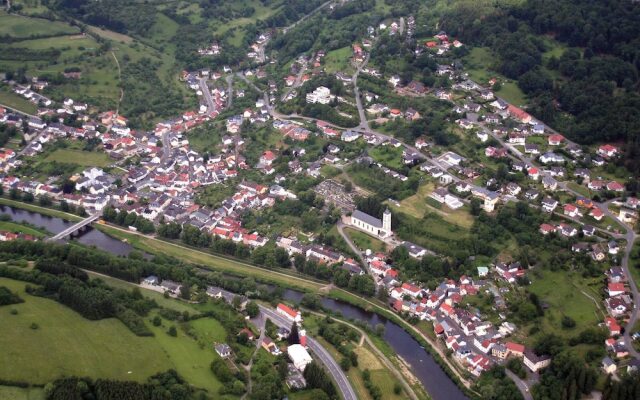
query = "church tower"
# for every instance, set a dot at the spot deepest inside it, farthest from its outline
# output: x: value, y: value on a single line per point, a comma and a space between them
x: 386, y: 221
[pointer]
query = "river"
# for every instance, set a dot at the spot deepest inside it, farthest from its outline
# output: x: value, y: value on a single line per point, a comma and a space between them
x: 423, y: 366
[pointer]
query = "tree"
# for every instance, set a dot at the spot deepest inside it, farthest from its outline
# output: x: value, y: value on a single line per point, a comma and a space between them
x: 185, y: 292
x: 345, y: 364
x: 316, y: 377
x: 294, y: 336
x: 252, y: 309
x: 27, y: 197
x: 172, y: 331
x: 157, y: 321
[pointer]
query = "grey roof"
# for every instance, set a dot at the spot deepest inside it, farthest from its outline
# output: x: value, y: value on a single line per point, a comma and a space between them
x: 373, y: 221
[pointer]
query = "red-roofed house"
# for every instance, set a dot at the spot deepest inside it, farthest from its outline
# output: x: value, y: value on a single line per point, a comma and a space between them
x: 289, y: 313
x: 546, y: 229
x: 614, y: 327
x: 615, y: 289
x: 411, y: 290
x: 515, y: 348
x: 555, y: 139
x: 571, y: 210
x: 608, y: 150
x: 597, y: 214
x: 533, y: 173
x: 615, y: 186
x: 519, y: 114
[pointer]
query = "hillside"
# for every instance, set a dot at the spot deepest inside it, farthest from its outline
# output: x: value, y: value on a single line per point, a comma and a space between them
x: 577, y: 62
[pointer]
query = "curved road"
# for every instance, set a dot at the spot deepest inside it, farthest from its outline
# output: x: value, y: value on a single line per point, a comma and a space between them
x: 321, y: 353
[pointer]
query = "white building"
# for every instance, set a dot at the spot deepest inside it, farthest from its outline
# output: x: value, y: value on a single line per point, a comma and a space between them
x: 321, y: 95
x: 371, y: 224
x: 299, y: 355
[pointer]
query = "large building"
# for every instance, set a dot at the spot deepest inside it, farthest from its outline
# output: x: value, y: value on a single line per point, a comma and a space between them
x: 299, y: 356
x: 371, y: 224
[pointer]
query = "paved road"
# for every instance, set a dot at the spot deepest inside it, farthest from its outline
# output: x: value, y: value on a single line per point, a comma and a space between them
x: 325, y: 358
x: 340, y: 226
x: 229, y: 80
x: 522, y: 386
x: 206, y: 92
x: 320, y: 7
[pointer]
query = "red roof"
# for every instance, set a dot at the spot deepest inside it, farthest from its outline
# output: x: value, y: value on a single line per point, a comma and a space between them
x: 515, y: 347
x: 556, y: 138
x: 288, y: 310
x: 616, y: 287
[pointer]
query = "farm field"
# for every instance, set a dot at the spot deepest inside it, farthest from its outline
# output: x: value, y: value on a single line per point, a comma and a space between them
x: 104, y: 348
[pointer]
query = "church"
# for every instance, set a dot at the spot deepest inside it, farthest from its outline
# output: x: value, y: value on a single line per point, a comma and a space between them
x: 373, y: 225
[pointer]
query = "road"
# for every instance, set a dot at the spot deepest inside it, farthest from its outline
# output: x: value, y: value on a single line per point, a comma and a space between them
x: 321, y: 353
x: 320, y: 7
x: 340, y: 226
x: 522, y: 386
x: 206, y: 92
x: 229, y: 80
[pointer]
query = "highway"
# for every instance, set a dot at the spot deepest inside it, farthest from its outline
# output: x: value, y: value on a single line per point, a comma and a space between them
x: 323, y: 355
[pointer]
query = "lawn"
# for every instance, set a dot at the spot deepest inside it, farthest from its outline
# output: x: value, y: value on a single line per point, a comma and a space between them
x: 387, y: 155
x: 480, y: 64
x: 80, y: 157
x: 338, y: 60
x: 563, y: 291
x: 13, y: 100
x: 18, y: 26
x: 16, y: 393
x: 418, y: 204
x: 364, y: 241
x: 19, y: 228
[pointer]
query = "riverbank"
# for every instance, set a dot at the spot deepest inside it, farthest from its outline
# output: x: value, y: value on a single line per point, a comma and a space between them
x: 214, y: 262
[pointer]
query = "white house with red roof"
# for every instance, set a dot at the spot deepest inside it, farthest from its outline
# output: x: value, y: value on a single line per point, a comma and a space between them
x: 555, y: 139
x: 607, y: 151
x: 289, y: 313
x: 613, y: 326
x: 615, y: 289
x: 411, y: 290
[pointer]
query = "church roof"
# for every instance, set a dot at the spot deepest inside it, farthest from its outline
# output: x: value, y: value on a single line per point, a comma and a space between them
x: 366, y: 218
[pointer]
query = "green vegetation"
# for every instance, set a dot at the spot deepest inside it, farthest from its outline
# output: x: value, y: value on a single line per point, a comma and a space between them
x: 80, y: 157
x: 19, y: 27
x: 364, y: 241
x: 338, y: 60
x: 10, y: 99
x: 69, y: 344
x: 18, y: 393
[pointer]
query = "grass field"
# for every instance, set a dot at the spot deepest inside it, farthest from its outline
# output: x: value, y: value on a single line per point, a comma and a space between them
x: 13, y: 100
x: 387, y: 155
x: 417, y: 205
x: 337, y: 60
x: 106, y: 348
x: 19, y: 228
x: 84, y: 158
x: 67, y: 344
x: 364, y: 241
x: 563, y: 291
x: 16, y: 393
x: 480, y: 65
x: 18, y: 26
